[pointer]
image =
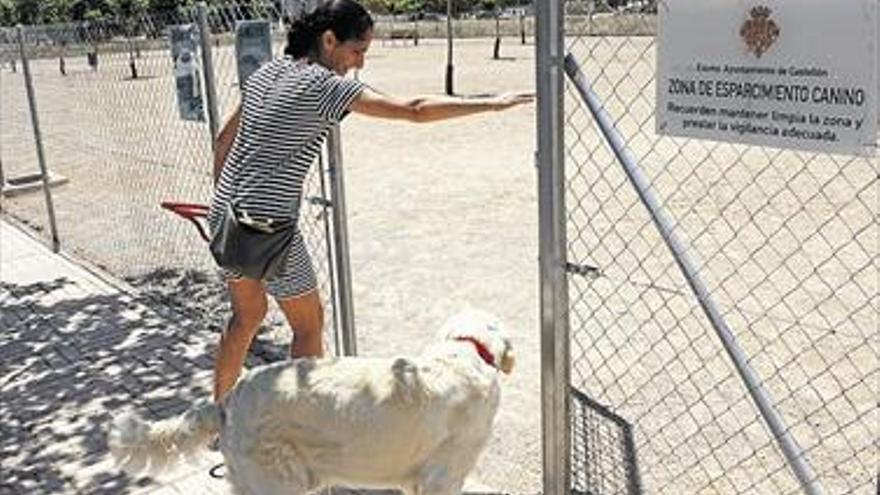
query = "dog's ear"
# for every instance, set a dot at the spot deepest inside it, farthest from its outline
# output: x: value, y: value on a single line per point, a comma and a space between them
x: 507, y: 362
x: 496, y: 333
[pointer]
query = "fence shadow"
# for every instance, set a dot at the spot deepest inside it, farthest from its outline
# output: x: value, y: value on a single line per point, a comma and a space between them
x: 203, y: 296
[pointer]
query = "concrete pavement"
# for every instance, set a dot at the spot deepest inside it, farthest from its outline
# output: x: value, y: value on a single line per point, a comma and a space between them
x: 75, y: 348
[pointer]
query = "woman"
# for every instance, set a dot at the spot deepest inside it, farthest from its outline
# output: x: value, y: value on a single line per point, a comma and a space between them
x: 288, y: 108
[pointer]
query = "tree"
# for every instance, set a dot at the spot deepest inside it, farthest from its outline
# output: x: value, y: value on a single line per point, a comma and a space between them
x: 89, y: 10
x: 436, y: 6
x: 52, y: 11
x: 166, y: 7
x: 129, y: 8
x: 395, y: 7
x: 495, y: 7
x: 129, y: 14
x: 28, y: 11
x: 8, y: 14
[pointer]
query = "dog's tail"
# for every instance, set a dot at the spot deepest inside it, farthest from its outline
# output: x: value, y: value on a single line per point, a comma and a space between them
x: 137, y: 445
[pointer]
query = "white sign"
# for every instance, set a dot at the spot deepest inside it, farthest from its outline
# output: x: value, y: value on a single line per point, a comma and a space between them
x: 187, y: 76
x: 786, y: 73
x: 253, y: 47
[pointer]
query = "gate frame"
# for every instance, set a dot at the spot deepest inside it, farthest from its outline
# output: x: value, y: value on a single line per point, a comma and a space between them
x: 550, y: 162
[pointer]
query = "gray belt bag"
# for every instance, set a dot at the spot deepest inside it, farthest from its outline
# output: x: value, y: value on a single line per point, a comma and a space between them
x: 254, y: 248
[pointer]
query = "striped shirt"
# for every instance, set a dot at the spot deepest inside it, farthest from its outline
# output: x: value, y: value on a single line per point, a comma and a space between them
x: 288, y: 109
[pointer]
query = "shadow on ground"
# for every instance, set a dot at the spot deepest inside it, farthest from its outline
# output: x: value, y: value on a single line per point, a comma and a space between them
x: 68, y: 361
x: 200, y: 295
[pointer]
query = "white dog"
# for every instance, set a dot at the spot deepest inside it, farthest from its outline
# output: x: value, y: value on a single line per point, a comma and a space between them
x: 417, y: 424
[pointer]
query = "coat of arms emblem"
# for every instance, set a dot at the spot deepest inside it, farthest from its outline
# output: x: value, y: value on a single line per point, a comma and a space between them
x: 759, y: 32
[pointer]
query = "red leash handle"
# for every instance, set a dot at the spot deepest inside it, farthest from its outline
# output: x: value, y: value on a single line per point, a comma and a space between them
x: 191, y: 212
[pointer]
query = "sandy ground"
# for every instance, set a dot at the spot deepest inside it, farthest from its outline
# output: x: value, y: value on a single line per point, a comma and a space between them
x: 445, y: 215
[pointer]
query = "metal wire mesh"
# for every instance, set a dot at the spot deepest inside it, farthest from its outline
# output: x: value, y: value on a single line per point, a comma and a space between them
x: 604, y: 454
x: 786, y: 241
x: 483, y: 48
x: 518, y: 28
x: 106, y: 99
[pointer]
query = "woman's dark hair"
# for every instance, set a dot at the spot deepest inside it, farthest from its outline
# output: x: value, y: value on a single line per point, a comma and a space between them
x: 347, y: 19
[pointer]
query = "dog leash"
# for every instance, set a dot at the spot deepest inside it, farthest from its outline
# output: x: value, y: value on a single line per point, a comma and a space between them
x: 191, y: 212
x: 214, y: 472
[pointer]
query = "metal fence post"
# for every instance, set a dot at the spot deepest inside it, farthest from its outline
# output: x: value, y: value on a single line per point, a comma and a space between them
x: 38, y: 139
x: 208, y: 69
x: 340, y: 244
x: 555, y: 397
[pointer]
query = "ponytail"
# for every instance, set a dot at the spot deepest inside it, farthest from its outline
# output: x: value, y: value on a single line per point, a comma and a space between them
x: 347, y: 19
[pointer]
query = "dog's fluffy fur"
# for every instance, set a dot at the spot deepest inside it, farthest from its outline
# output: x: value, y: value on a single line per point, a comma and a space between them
x: 418, y: 424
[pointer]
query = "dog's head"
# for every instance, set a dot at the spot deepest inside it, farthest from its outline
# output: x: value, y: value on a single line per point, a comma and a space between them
x: 487, y: 332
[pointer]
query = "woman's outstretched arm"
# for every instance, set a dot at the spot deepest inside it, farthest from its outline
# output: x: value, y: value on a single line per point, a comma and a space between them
x: 432, y: 108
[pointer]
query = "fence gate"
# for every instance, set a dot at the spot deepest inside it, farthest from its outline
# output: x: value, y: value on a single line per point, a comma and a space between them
x: 756, y: 373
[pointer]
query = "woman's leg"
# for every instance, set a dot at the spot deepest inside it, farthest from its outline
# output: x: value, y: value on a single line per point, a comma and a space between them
x: 248, y: 310
x: 305, y: 314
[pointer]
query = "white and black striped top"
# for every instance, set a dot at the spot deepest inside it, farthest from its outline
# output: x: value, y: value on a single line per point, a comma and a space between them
x: 288, y: 109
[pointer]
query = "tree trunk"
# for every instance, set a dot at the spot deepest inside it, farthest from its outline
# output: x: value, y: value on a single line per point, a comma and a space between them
x: 496, y: 54
x: 131, y: 63
x: 449, y: 68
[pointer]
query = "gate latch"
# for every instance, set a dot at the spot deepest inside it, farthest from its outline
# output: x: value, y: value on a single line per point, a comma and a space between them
x: 587, y: 271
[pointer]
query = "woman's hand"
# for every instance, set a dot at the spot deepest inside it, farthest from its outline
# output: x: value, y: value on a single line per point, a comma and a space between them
x: 434, y: 108
x: 512, y: 99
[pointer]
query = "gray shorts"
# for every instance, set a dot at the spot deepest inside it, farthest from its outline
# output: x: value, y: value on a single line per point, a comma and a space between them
x: 296, y: 277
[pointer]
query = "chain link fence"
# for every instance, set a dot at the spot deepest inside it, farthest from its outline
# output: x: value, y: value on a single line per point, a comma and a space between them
x: 118, y: 147
x: 410, y: 29
x: 787, y: 243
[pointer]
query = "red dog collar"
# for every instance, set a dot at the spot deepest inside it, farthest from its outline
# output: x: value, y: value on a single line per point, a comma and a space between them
x: 482, y: 350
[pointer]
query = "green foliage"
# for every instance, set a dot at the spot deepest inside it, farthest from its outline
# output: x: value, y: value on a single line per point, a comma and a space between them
x: 8, y: 14
x: 166, y: 6
x: 87, y: 10
x: 395, y: 6
x: 51, y: 11
x: 129, y: 8
x: 434, y: 5
x: 497, y: 5
x: 27, y: 11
